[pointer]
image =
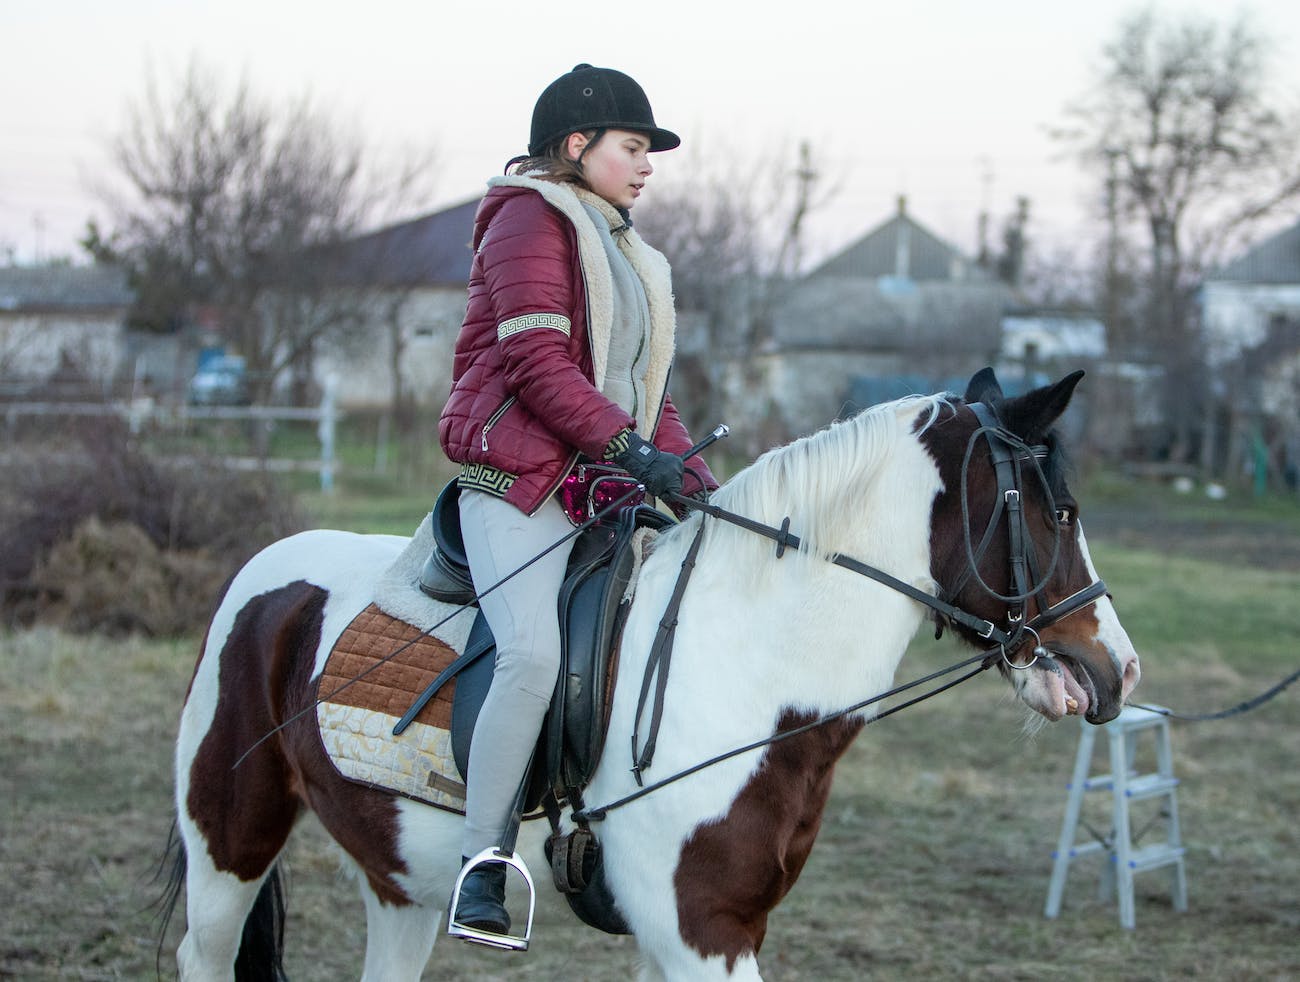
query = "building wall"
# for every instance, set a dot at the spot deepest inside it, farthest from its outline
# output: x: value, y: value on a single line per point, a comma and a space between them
x: 1235, y: 316
x: 429, y: 319
x: 803, y: 390
x: 33, y: 346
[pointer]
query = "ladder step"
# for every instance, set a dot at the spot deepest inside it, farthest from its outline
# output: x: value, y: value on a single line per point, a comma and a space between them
x: 1083, y: 849
x: 1136, y: 788
x: 1149, y: 786
x: 1155, y: 856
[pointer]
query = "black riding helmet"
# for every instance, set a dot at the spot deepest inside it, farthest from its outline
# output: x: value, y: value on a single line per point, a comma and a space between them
x: 590, y: 98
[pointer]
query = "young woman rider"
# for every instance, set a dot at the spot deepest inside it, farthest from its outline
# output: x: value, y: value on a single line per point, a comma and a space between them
x: 563, y: 356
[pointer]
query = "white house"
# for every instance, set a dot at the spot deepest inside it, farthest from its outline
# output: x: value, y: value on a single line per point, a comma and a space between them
x: 414, y: 277
x: 68, y: 321
x: 1250, y: 320
x: 1250, y: 317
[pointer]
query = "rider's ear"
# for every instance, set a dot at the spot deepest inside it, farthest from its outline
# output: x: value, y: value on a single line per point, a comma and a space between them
x: 1031, y: 416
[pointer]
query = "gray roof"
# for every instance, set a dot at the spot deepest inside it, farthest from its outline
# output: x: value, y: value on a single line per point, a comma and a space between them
x: 901, y: 242
x: 63, y: 288
x: 880, y: 315
x: 433, y: 250
x: 1275, y: 260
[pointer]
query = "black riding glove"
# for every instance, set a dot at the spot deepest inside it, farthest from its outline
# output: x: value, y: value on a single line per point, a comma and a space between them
x: 660, y: 471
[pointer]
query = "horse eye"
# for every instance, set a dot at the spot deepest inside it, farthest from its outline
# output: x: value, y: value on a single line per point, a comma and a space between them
x: 1063, y: 516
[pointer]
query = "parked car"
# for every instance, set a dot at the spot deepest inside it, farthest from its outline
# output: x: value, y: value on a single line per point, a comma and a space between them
x: 220, y: 381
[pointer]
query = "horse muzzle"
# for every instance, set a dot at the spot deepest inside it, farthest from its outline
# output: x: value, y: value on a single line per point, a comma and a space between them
x: 1057, y: 685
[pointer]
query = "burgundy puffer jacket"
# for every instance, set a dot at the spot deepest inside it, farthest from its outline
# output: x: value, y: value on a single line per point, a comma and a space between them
x: 524, y: 403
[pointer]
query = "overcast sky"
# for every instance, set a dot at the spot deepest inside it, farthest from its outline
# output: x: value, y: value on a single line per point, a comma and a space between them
x: 945, y: 101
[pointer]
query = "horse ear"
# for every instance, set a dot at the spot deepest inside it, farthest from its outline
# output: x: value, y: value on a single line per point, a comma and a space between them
x: 1031, y: 416
x: 983, y: 387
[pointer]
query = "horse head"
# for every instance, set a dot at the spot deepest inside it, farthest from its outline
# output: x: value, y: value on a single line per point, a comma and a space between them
x: 1008, y: 547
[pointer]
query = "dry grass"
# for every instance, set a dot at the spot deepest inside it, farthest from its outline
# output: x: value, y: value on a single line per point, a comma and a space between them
x: 933, y: 862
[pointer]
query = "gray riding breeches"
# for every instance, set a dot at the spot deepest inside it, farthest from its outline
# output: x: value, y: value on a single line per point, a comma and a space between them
x: 499, y: 538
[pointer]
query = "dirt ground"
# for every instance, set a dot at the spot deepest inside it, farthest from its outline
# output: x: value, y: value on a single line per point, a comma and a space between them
x: 932, y: 863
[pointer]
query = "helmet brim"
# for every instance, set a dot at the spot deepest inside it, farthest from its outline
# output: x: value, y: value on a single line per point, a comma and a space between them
x: 660, y: 139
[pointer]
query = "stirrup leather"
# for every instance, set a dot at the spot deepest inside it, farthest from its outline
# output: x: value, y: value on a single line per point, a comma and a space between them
x: 490, y: 939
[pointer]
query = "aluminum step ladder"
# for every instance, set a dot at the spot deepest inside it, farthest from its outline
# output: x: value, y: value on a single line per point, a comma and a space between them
x: 1126, y: 786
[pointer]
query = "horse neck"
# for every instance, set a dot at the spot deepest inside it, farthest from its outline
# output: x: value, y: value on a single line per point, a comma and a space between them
x: 862, y: 487
x: 810, y: 627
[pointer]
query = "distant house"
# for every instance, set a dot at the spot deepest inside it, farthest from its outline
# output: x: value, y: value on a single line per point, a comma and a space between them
x: 894, y: 305
x: 62, y: 322
x: 1247, y: 300
x: 414, y: 275
x: 1250, y: 319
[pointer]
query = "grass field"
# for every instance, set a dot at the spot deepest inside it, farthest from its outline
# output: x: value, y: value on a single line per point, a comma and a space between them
x: 934, y: 859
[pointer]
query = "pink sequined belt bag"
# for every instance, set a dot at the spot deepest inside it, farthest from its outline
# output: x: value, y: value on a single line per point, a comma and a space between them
x: 590, y: 488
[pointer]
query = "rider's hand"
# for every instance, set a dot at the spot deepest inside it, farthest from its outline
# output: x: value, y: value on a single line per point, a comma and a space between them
x: 659, y: 470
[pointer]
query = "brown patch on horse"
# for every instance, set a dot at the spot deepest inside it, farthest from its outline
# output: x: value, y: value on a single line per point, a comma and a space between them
x: 734, y: 871
x: 246, y: 813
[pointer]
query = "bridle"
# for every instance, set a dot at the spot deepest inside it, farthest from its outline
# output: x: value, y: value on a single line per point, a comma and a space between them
x: 1008, y: 454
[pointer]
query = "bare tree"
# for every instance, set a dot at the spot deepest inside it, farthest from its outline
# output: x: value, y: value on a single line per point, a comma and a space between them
x: 735, y: 243
x: 232, y: 203
x: 1181, y: 127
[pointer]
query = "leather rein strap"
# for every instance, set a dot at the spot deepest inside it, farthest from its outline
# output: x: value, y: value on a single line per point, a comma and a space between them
x: 661, y: 653
x: 1007, y: 452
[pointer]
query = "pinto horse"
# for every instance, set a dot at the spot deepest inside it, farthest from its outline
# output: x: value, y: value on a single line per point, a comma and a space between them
x: 767, y: 641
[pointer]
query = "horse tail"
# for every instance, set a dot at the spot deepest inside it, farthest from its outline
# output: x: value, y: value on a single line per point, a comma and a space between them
x: 261, y: 947
x: 172, y: 867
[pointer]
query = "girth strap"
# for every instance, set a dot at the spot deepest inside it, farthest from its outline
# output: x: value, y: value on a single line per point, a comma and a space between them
x: 656, y: 669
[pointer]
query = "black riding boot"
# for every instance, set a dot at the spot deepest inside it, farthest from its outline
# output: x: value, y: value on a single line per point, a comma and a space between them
x: 482, y: 901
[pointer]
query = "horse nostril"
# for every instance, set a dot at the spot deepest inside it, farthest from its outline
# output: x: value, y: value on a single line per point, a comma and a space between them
x: 1132, y: 672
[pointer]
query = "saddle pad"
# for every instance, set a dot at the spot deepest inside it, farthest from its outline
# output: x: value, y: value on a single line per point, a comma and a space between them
x: 376, y: 669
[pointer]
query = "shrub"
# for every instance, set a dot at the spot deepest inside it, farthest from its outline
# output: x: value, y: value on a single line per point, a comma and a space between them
x: 99, y: 535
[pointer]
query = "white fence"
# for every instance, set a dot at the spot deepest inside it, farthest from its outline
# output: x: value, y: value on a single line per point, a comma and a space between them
x: 140, y: 413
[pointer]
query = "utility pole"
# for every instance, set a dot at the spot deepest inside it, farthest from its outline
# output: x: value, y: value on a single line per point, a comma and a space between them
x: 1112, y: 249
x: 791, y: 254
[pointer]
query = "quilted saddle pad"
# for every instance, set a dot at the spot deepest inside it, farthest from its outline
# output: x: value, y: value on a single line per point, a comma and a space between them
x: 378, y: 666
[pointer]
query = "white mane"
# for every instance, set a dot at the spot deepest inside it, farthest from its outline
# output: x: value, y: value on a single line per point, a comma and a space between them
x: 818, y: 480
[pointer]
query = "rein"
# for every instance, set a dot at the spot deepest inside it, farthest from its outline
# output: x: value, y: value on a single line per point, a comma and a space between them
x: 986, y: 659
x: 1007, y: 450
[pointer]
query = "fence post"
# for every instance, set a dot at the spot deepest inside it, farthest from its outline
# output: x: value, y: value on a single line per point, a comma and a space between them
x: 325, y: 429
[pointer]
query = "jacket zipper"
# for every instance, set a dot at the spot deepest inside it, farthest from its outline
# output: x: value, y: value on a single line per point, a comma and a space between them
x: 492, y: 420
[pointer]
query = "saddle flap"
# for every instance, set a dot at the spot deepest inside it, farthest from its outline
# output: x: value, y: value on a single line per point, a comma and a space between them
x: 592, y: 611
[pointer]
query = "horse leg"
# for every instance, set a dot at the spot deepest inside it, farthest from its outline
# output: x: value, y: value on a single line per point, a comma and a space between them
x: 235, y: 810
x: 233, y: 903
x: 399, y: 938
x: 675, y: 962
x: 227, y: 919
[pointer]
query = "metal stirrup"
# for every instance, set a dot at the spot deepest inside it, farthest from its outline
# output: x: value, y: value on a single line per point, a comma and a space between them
x: 490, y: 939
